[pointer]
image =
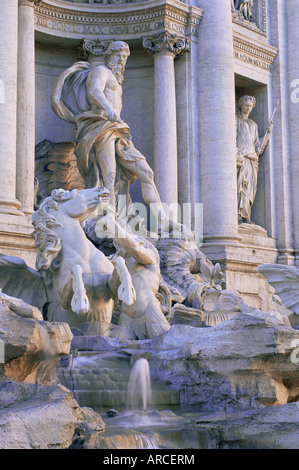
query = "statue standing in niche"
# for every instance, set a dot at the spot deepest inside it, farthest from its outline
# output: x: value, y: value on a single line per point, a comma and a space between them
x: 245, y: 7
x: 249, y: 148
x: 89, y: 95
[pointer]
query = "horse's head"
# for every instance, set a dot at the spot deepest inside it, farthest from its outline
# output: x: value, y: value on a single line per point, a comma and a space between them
x: 80, y: 204
x: 46, y: 221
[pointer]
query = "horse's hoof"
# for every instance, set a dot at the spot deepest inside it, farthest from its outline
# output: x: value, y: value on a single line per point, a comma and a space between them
x: 127, y: 295
x: 80, y: 304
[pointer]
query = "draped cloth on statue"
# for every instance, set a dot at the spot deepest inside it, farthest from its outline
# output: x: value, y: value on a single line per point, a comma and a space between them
x: 93, y: 131
x: 248, y: 144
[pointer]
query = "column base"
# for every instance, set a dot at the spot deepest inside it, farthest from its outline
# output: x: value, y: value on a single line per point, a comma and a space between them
x: 10, y: 206
x: 16, y: 239
x: 27, y: 212
x: 286, y: 257
x: 239, y: 261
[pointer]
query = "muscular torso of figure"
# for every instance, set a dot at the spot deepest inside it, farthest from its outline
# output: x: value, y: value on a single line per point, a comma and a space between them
x: 145, y: 275
x: 102, y: 81
x: 146, y: 283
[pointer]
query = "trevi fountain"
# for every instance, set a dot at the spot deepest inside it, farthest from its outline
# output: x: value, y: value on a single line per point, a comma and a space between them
x: 149, y: 222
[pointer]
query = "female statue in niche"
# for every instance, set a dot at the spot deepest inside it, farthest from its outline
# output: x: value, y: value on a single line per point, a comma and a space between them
x: 249, y: 148
x: 245, y: 7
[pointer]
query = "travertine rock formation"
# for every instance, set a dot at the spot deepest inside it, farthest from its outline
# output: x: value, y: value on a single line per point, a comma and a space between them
x: 42, y: 417
x: 56, y: 167
x: 32, y: 346
x: 35, y: 412
x: 275, y: 427
x: 36, y: 416
x: 243, y: 363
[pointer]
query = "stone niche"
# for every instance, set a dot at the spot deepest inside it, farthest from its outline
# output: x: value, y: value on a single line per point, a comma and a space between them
x: 257, y: 21
x: 138, y: 103
x: 50, y: 61
x: 261, y: 208
x: 60, y: 27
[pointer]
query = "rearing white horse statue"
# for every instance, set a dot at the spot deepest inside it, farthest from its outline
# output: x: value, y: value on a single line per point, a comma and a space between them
x: 73, y: 276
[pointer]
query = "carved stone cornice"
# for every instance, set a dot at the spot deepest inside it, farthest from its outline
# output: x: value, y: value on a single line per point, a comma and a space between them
x: 166, y: 42
x: 132, y: 21
x: 260, y: 55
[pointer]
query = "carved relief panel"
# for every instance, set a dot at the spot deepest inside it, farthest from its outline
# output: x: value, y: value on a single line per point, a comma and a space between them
x: 250, y: 13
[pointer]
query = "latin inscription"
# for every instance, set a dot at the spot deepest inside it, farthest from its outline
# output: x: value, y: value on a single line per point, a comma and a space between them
x: 102, y: 29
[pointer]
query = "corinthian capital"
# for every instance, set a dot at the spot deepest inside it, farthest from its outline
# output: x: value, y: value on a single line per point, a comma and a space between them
x: 93, y: 47
x: 166, y: 42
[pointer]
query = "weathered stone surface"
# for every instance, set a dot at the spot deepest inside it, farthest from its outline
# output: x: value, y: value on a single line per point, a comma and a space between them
x: 180, y: 314
x: 275, y: 427
x: 56, y: 167
x: 60, y: 336
x: 242, y: 363
x: 36, y: 416
x: 88, y: 429
x: 32, y: 348
x: 20, y: 307
x: 216, y: 306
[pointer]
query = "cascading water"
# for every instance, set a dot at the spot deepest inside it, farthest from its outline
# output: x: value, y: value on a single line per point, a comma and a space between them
x: 139, y: 386
x: 105, y: 380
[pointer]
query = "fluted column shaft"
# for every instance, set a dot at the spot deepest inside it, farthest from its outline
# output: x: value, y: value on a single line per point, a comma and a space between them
x: 217, y: 134
x: 26, y: 107
x: 8, y: 106
x: 164, y: 48
x: 293, y: 74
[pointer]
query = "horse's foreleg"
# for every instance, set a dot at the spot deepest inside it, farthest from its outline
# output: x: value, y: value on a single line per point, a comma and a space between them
x: 80, y: 302
x: 120, y: 281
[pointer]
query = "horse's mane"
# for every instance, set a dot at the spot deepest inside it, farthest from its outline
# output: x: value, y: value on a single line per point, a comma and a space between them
x: 47, y: 240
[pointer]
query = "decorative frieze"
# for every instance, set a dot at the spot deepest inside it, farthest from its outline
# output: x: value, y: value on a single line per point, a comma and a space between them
x: 113, y: 22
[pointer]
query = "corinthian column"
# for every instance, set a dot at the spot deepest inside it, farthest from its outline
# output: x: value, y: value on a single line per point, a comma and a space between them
x: 26, y: 106
x: 293, y: 75
x: 8, y: 106
x: 217, y: 135
x: 165, y: 47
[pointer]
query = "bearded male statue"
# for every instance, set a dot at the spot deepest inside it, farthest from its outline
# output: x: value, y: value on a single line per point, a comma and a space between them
x: 89, y: 95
